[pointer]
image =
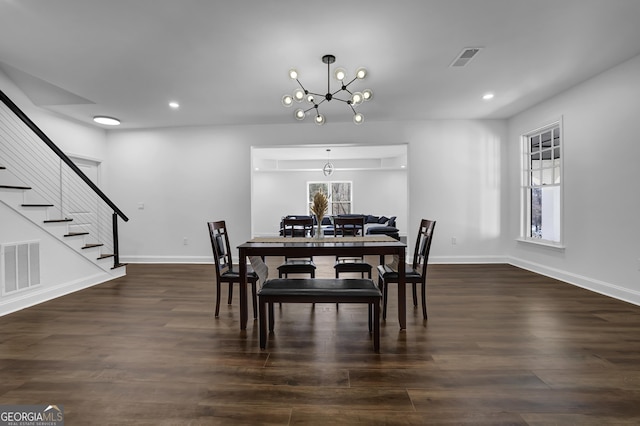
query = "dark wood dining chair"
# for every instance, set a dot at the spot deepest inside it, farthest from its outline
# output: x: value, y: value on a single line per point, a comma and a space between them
x: 226, y: 271
x: 296, y: 227
x: 416, y: 273
x: 350, y: 226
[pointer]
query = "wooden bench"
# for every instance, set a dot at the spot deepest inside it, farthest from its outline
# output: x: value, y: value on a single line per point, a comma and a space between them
x: 319, y: 290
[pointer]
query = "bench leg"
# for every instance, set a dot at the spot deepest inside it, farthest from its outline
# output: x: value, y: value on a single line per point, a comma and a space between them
x: 271, y: 317
x: 262, y: 307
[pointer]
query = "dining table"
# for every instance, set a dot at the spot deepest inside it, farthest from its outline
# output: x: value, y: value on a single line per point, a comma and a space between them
x: 381, y: 245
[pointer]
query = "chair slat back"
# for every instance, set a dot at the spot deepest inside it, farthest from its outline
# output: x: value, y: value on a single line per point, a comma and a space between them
x: 352, y: 225
x: 297, y: 227
x: 220, y: 246
x: 423, y: 246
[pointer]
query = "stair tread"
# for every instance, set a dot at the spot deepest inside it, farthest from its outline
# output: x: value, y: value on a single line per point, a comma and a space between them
x: 14, y: 187
x: 36, y: 205
x: 119, y: 265
x: 75, y: 234
x: 2, y: 168
x: 66, y: 219
x: 88, y: 246
x: 105, y: 256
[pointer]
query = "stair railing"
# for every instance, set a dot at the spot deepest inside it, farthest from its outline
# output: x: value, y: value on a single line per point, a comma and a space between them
x: 57, y: 180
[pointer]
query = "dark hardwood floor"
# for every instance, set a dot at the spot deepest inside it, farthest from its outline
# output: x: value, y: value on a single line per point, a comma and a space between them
x: 501, y: 346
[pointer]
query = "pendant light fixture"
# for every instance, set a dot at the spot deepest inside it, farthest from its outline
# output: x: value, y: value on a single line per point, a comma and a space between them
x: 328, y: 167
x: 353, y: 99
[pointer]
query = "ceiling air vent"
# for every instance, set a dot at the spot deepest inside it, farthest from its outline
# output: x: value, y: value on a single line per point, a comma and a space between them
x: 465, y: 56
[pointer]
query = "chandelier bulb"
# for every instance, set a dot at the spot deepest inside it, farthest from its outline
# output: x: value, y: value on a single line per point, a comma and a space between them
x: 357, y: 98
x: 358, y: 118
x: 361, y: 73
x: 298, y: 95
x: 367, y: 94
x: 287, y: 100
x: 319, y: 119
x: 293, y: 74
x: 299, y: 114
x: 340, y: 74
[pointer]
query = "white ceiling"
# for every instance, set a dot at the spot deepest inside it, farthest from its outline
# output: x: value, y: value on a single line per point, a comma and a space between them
x: 226, y: 62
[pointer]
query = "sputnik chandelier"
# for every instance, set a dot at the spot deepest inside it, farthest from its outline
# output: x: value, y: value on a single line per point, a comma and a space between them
x: 317, y: 99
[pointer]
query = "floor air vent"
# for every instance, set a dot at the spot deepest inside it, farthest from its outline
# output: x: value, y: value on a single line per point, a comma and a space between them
x: 20, y: 266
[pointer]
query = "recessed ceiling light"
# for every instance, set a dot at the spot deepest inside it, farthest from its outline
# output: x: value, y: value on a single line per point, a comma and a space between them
x: 487, y: 96
x: 174, y: 105
x: 107, y: 121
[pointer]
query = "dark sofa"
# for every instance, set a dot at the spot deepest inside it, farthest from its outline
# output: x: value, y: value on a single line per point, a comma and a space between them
x: 374, y: 225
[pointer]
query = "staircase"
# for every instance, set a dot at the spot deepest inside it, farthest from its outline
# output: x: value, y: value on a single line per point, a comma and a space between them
x: 58, y: 230
x: 16, y: 196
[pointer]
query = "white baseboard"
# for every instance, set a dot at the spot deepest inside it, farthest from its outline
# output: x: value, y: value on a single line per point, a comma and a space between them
x: 166, y: 259
x: 38, y: 295
x: 466, y: 259
x: 587, y: 283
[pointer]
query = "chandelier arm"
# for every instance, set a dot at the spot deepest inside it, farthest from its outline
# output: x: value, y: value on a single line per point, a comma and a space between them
x: 301, y: 86
x: 342, y: 100
x: 354, y: 79
x: 338, y: 91
x: 353, y: 109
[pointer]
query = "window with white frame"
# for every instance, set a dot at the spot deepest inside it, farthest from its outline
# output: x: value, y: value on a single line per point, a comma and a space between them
x: 338, y: 193
x: 542, y: 185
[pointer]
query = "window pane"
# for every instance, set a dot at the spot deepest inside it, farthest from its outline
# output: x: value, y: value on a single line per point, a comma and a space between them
x: 550, y: 217
x: 341, y: 191
x: 341, y: 208
x: 547, y: 176
x: 536, y: 213
x: 535, y: 178
x: 546, y: 139
x: 315, y: 187
x: 535, y: 144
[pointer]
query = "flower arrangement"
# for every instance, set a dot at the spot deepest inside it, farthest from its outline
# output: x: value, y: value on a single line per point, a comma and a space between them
x: 319, y: 208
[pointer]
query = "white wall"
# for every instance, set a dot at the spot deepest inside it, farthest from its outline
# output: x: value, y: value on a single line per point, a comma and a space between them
x: 601, y: 176
x: 188, y: 176
x: 70, y: 136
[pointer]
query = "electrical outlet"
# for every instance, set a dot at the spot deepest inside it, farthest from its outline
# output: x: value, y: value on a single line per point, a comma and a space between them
x: 454, y: 241
x: 185, y: 241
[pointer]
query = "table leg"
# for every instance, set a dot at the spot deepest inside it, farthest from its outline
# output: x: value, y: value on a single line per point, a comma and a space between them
x: 262, y: 307
x: 402, y: 290
x: 243, y: 289
x: 376, y: 326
